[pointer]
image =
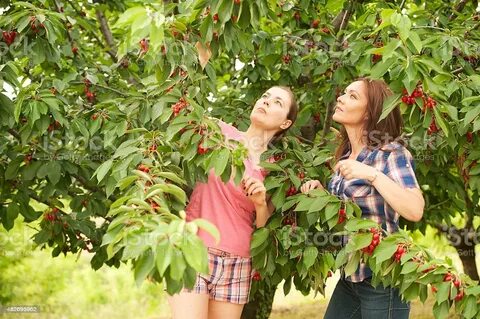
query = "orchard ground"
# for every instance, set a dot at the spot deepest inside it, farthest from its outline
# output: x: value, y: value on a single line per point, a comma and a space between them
x: 65, y: 287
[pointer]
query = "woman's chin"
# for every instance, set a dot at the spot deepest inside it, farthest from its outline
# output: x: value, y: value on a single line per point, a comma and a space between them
x: 258, y: 119
x: 337, y: 118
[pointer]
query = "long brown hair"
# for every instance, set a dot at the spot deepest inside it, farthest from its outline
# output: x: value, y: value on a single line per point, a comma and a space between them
x: 377, y: 92
x: 292, y: 112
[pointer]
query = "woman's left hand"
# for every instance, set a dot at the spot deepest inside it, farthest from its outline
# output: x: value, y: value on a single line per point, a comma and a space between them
x: 255, y: 191
x: 354, y: 169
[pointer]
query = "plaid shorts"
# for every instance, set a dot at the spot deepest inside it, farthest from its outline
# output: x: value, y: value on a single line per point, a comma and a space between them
x: 229, y: 278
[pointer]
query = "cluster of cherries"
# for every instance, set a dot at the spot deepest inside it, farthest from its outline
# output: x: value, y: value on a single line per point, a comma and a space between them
x: 374, y: 243
x: 88, y: 93
x: 9, y: 36
x: 179, y: 106
x: 51, y: 215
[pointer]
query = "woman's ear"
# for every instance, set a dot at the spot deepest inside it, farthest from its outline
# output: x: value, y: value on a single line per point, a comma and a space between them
x: 286, y: 124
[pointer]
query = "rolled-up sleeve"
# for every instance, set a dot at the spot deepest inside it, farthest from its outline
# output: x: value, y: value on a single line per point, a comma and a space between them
x: 400, y: 167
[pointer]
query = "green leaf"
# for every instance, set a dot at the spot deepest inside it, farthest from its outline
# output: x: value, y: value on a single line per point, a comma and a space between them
x: 384, y: 251
x: 332, y: 210
x: 389, y: 105
x: 470, y: 309
x: 12, y: 213
x: 209, y: 227
x: 443, y: 291
x: 309, y: 256
x: 172, y: 176
x: 221, y: 161
x: 143, y: 266
x: 353, y: 263
x: 319, y: 203
x: 440, y: 121
x: 163, y: 256
x: 357, y: 224
x: 431, y: 64
x: 196, y: 253
x: 409, y: 267
x: 259, y: 236
x: 177, y: 265
x: 103, y: 169
x: 440, y: 310
x: 417, y: 43
x: 54, y: 172
x: 361, y: 240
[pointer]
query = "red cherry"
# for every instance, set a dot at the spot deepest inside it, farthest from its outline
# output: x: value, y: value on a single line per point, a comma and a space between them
x: 326, y: 30
x: 434, y: 289
x: 376, y: 58
x: 286, y: 58
x: 143, y: 46
x: 459, y: 295
x: 215, y: 17
x: 90, y: 96
x: 301, y: 175
x: 200, y: 149
x: 143, y: 168
x: 405, y: 99
x: 447, y: 277
x: 238, y: 1
x: 469, y: 137
x: 432, y: 128
x: 315, y: 23
x: 257, y: 276
x: 74, y: 50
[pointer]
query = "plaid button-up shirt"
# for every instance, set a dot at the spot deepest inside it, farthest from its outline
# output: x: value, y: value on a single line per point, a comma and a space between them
x: 395, y: 161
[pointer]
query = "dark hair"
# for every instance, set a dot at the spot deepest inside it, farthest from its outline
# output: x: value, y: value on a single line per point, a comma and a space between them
x: 377, y: 92
x: 292, y: 112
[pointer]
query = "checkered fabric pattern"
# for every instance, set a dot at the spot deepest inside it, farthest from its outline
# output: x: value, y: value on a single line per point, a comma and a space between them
x: 229, y: 278
x: 395, y: 161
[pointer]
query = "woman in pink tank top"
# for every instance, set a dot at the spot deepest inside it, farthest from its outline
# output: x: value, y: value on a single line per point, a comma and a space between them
x: 234, y: 210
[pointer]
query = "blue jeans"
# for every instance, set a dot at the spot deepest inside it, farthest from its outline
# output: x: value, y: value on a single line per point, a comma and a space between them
x: 363, y: 301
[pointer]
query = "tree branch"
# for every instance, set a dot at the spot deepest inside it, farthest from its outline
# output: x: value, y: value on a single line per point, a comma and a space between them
x: 106, y: 32
x: 458, y: 8
x: 79, y: 12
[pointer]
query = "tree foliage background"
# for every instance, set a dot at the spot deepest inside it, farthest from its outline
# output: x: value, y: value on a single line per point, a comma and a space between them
x: 107, y: 111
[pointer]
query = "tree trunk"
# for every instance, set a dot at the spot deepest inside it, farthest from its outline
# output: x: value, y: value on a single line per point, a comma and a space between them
x: 260, y: 306
x: 466, y: 252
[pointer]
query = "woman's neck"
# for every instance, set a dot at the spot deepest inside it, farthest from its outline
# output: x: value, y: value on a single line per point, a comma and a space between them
x: 257, y: 139
x: 356, y: 139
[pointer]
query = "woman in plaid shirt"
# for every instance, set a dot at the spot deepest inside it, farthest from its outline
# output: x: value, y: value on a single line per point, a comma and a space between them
x: 376, y: 172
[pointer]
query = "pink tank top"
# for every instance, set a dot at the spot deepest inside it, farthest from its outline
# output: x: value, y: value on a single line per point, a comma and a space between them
x: 226, y: 206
